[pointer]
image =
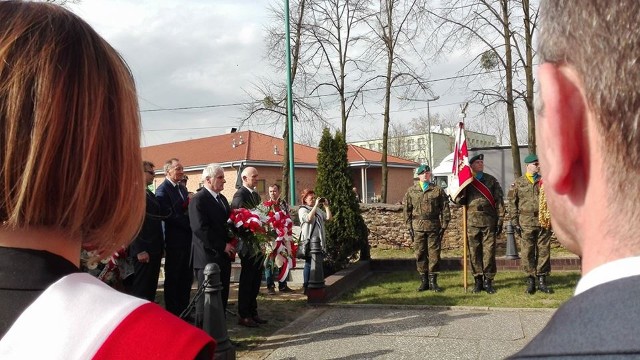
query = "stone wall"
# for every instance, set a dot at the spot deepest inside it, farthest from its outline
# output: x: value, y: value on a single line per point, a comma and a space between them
x: 387, y: 229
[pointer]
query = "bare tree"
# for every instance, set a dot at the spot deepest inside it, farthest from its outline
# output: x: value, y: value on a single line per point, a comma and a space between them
x: 269, y: 96
x: 469, y: 23
x: 396, y: 27
x: 333, y: 29
x: 399, y: 143
x: 523, y: 37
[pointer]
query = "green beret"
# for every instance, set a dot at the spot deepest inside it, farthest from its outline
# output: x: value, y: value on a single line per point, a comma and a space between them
x: 477, y: 157
x: 422, y: 168
x: 531, y: 158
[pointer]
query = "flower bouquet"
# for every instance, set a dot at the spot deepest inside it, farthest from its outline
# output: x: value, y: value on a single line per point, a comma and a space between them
x: 266, y: 229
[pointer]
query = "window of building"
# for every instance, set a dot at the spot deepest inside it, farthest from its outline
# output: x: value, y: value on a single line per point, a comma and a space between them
x: 260, y: 188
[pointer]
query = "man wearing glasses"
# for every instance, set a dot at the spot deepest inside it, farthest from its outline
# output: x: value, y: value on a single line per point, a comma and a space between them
x: 535, y: 244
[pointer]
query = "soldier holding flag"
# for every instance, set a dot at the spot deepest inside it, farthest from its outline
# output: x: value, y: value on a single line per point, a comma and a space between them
x: 485, y: 210
x: 535, y: 240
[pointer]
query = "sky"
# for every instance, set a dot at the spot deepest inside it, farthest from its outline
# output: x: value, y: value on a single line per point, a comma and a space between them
x: 207, y: 53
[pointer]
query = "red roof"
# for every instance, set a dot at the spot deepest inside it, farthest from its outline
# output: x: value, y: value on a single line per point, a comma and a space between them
x: 249, y: 146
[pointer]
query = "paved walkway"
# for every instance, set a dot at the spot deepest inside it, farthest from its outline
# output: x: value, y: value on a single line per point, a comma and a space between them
x: 404, y: 332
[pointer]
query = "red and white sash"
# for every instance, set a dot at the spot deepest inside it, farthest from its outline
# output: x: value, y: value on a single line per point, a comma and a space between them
x: 80, y: 317
x: 484, y: 190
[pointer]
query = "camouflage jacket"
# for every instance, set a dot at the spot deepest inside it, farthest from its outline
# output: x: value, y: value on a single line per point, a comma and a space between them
x: 523, y: 202
x: 426, y: 210
x: 480, y: 212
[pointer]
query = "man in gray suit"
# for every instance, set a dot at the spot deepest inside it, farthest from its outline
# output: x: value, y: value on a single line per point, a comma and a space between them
x: 589, y: 144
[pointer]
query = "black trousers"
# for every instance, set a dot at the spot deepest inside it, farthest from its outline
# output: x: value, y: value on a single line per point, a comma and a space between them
x: 178, y: 278
x: 144, y: 281
x: 249, y: 284
x: 224, y: 263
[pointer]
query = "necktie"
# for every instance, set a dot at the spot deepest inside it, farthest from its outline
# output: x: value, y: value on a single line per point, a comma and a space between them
x: 219, y: 200
x: 179, y: 192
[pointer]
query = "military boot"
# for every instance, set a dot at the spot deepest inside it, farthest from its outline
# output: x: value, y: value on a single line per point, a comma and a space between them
x: 433, y: 283
x: 424, y: 285
x: 542, y: 285
x: 531, y: 285
x: 478, y: 285
x: 488, y: 286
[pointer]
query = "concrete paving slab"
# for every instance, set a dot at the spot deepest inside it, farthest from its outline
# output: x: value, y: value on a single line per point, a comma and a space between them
x: 397, y: 332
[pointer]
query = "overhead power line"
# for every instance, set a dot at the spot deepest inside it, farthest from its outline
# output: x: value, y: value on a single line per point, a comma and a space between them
x: 311, y: 96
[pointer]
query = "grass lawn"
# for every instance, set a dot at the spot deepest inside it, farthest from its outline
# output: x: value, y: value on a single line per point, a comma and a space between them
x: 399, y: 288
x: 407, y: 253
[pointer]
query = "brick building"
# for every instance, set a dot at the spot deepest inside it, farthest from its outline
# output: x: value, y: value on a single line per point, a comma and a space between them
x: 249, y: 148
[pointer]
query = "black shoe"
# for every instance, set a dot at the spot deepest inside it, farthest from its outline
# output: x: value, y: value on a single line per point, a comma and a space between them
x: 478, y: 284
x: 488, y: 286
x: 286, y: 289
x: 542, y: 285
x: 531, y: 285
x: 248, y: 322
x: 424, y: 284
x: 259, y: 320
x: 271, y: 290
x: 433, y: 283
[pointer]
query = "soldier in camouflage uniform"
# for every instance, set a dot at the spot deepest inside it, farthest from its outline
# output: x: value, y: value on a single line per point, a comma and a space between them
x: 426, y: 211
x: 484, y: 224
x: 535, y: 240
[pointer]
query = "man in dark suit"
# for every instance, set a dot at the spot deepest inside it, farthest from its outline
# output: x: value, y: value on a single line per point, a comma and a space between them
x: 252, y: 260
x: 174, y: 199
x: 208, y: 214
x: 589, y: 146
x: 146, y: 249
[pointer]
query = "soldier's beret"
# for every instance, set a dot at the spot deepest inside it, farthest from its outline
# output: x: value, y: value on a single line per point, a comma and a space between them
x: 422, y: 168
x: 531, y: 158
x: 477, y: 157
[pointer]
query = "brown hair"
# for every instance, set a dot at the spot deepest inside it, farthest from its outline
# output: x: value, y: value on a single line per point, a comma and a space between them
x: 69, y: 120
x: 600, y: 39
x: 305, y: 193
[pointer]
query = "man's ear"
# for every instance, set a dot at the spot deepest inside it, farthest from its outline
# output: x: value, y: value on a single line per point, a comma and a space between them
x: 562, y: 128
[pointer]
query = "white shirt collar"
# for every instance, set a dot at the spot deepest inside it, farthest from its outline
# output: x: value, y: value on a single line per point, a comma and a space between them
x: 608, y: 272
x: 213, y: 193
x: 174, y: 184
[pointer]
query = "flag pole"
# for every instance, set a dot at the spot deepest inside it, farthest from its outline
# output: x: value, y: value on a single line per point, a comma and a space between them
x: 464, y: 247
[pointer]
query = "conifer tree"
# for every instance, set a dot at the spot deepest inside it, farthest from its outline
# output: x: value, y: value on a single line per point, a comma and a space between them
x: 347, y: 232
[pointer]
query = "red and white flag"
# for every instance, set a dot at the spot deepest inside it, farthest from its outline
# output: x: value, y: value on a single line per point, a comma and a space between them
x: 462, y: 175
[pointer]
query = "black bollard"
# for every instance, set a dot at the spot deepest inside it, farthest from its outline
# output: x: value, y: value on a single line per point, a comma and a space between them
x: 214, y: 322
x: 316, y: 275
x: 512, y: 251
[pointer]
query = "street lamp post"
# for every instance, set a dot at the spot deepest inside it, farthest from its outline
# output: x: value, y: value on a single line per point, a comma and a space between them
x: 430, y: 148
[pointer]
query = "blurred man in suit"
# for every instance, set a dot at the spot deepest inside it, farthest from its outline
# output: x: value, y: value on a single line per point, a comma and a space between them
x: 208, y: 214
x: 174, y: 200
x: 146, y: 249
x: 589, y: 148
x: 252, y: 259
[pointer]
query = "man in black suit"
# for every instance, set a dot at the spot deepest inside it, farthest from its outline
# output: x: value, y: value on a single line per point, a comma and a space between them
x: 146, y: 249
x: 208, y: 214
x: 178, y: 276
x: 589, y: 144
x: 252, y: 260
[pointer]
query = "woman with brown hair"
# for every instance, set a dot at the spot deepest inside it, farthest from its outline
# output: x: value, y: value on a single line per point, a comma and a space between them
x: 69, y: 133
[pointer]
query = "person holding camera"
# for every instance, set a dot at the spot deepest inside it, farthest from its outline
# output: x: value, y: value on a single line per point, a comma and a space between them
x: 312, y: 220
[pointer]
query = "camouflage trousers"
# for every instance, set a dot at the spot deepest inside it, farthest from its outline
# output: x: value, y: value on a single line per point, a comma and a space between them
x: 482, y: 251
x: 535, y: 250
x: 426, y: 247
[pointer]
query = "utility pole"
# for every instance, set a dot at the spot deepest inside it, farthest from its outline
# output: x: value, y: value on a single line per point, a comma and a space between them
x: 430, y: 147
